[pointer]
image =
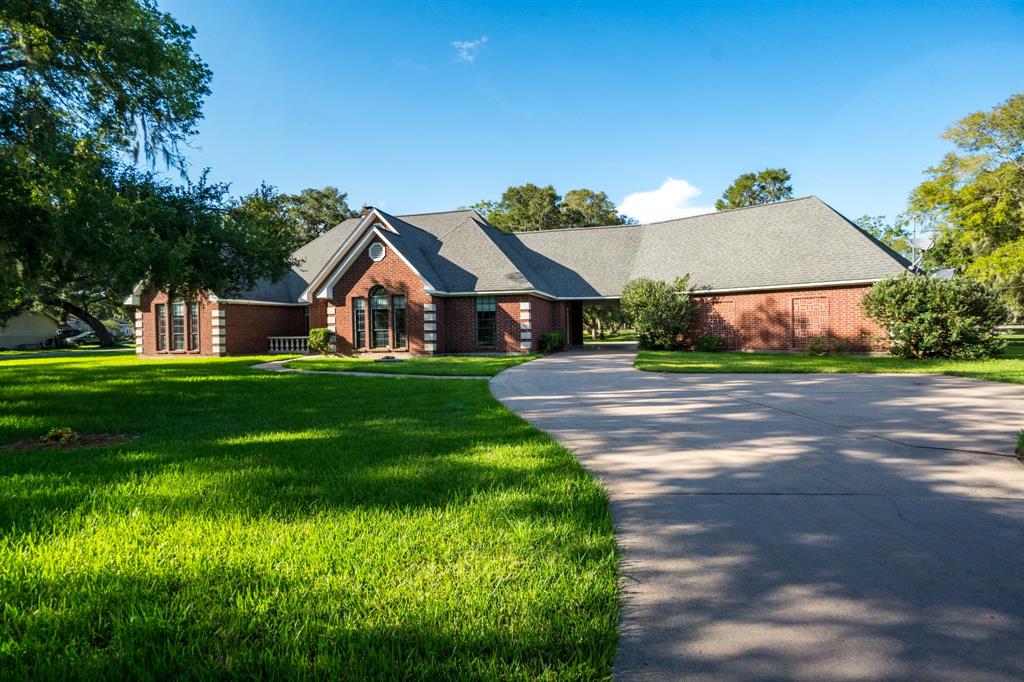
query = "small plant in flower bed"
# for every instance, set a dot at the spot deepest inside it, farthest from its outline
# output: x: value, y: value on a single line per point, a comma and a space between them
x: 821, y: 346
x: 60, y: 434
x: 709, y: 343
x: 320, y: 340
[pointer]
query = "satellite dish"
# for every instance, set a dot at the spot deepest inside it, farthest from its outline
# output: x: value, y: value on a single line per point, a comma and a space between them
x: 922, y: 243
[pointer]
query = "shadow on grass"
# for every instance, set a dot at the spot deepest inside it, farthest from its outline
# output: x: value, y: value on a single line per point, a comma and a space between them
x: 293, y: 525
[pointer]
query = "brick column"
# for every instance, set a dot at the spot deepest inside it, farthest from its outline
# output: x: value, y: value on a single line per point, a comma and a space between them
x: 217, y: 333
x: 429, y: 327
x: 138, y: 332
x: 525, y: 327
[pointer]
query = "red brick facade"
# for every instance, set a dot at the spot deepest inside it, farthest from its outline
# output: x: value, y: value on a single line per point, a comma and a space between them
x: 224, y: 328
x: 788, y: 320
x: 392, y: 273
x: 247, y: 326
x: 146, y: 326
x: 769, y: 320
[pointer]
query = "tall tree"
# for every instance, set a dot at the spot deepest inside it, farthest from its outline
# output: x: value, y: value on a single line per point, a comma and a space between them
x: 524, y: 208
x: 82, y: 82
x: 529, y: 207
x: 121, y: 71
x: 314, y: 211
x: 975, y: 198
x: 896, y: 235
x: 587, y: 208
x: 752, y: 189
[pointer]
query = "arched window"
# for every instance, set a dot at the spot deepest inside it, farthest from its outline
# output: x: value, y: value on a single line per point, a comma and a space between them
x: 378, y: 317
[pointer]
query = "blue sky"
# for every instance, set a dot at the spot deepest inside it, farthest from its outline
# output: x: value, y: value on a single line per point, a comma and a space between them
x: 421, y: 107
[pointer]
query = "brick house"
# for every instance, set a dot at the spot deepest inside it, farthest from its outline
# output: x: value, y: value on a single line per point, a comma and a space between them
x: 765, y: 277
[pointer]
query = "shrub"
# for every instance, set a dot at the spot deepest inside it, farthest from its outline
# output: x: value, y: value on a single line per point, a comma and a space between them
x: 824, y: 345
x: 320, y: 339
x: 660, y: 312
x: 552, y: 341
x: 941, y: 318
x: 709, y: 343
x: 1020, y: 445
x: 60, y: 434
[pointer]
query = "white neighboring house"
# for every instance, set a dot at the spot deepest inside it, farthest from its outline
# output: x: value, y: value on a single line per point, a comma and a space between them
x: 28, y: 328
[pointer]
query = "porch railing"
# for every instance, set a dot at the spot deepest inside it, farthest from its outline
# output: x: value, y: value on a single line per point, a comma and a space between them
x: 289, y: 344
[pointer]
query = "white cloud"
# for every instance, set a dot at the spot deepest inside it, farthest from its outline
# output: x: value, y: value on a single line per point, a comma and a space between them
x: 465, y: 50
x: 671, y: 200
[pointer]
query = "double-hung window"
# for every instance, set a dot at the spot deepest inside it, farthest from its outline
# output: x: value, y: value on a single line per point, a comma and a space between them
x: 398, y: 312
x: 486, y: 321
x: 161, y: 326
x: 177, y: 325
x: 359, y: 322
x: 378, y: 317
x: 193, y: 326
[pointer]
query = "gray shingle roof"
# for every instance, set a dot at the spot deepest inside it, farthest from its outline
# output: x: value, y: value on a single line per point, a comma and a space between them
x: 789, y: 243
x: 310, y: 259
x: 800, y: 241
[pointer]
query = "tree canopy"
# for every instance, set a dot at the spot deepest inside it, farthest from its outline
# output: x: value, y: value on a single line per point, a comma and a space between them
x: 119, y: 71
x: 975, y: 199
x: 529, y: 207
x: 314, y: 211
x: 896, y: 235
x: 752, y: 189
x: 82, y: 85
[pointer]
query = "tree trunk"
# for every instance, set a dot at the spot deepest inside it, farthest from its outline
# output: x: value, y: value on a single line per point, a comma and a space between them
x: 105, y: 338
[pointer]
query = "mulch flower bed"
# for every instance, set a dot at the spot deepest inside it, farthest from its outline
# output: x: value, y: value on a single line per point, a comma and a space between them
x: 95, y: 440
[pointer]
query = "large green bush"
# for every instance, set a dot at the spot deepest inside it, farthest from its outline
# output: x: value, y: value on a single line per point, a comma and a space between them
x: 709, y: 343
x: 931, y: 317
x: 660, y: 312
x: 552, y: 341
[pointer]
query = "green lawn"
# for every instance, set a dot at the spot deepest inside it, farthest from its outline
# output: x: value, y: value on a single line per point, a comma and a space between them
x: 444, y: 365
x: 1008, y: 368
x: 624, y: 335
x: 292, y: 525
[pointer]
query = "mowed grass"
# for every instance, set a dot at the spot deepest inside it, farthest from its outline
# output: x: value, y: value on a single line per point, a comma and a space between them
x: 291, y: 525
x: 445, y: 365
x: 624, y: 335
x: 1008, y: 368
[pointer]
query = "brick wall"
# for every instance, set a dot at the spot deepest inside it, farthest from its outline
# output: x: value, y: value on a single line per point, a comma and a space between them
x: 146, y: 327
x: 231, y: 328
x: 787, y: 320
x: 520, y: 320
x: 246, y: 327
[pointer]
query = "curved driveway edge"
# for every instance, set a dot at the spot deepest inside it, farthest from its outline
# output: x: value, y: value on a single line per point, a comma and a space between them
x: 800, y: 526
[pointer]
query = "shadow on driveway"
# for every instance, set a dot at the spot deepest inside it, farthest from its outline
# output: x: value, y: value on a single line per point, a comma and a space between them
x: 800, y: 526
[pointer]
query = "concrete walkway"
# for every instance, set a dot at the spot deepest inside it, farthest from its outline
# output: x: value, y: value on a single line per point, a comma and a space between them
x: 278, y: 366
x: 800, y: 526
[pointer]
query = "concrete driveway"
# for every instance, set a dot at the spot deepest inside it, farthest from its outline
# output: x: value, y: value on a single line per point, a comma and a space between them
x: 800, y: 526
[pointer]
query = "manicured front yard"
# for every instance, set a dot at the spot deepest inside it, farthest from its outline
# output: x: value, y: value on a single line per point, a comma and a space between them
x: 1008, y: 368
x: 445, y: 365
x: 292, y: 525
x: 624, y: 335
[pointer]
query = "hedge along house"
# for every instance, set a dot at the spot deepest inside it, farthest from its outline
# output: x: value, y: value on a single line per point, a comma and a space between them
x: 765, y: 277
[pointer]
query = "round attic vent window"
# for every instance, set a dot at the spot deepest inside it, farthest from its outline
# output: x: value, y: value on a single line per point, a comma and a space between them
x: 376, y: 251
